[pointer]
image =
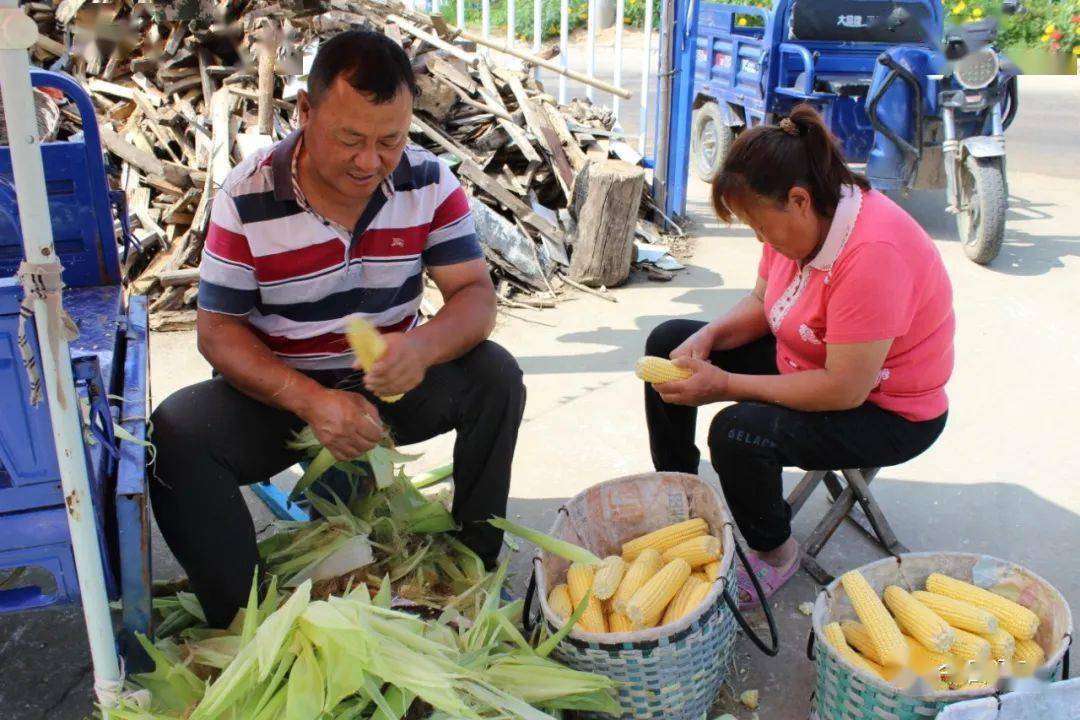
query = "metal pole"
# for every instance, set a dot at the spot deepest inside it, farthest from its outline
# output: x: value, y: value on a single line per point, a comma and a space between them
x: 620, y: 10
x: 538, y: 31
x: 461, y: 13
x: 564, y: 31
x: 511, y: 22
x: 17, y: 34
x: 590, y: 50
x: 485, y: 18
x: 646, y: 66
x: 663, y: 103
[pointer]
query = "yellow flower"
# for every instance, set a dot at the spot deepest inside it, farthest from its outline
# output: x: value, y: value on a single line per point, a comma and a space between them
x: 1076, y: 50
x: 1049, y: 29
x: 959, y: 8
x: 976, y: 13
x: 742, y: 21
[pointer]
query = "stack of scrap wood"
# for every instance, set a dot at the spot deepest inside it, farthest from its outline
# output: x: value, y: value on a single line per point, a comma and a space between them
x: 184, y: 90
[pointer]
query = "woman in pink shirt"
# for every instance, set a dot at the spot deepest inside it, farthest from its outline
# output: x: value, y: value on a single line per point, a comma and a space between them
x: 837, y: 359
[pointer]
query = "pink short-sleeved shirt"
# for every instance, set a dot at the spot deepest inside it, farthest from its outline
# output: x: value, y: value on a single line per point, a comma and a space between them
x: 877, y: 277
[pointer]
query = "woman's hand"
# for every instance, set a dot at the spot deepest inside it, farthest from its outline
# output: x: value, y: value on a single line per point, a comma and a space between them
x: 698, y: 346
x: 708, y: 384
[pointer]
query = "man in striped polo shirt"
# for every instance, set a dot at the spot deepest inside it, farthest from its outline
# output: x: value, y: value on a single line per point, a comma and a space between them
x: 339, y: 220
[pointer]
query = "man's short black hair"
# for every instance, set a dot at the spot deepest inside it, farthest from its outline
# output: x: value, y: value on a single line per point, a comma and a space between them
x: 370, y: 62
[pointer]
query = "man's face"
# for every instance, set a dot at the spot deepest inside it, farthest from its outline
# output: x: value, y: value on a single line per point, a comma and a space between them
x: 354, y: 143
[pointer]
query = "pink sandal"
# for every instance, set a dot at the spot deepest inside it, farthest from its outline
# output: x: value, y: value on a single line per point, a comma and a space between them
x: 771, y: 578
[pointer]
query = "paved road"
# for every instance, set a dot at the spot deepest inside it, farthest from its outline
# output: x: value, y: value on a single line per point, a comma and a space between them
x: 1002, y: 480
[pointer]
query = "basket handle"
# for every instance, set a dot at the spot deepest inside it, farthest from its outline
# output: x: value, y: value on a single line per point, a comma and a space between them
x: 530, y: 595
x: 810, y: 655
x: 774, y: 648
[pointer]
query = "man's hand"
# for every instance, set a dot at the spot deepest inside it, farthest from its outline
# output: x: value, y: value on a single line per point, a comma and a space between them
x: 401, y: 368
x: 698, y: 346
x: 345, y: 423
x: 708, y: 384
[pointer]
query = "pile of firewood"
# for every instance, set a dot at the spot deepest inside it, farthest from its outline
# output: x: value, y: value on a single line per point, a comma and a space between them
x: 184, y: 90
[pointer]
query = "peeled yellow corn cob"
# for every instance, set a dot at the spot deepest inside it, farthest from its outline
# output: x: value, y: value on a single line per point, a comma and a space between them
x: 1002, y: 645
x: 559, y: 601
x: 700, y: 575
x: 608, y: 576
x: 368, y: 345
x: 1019, y: 621
x: 857, y: 637
x: 927, y: 662
x: 713, y: 570
x: 618, y: 623
x: 647, y: 564
x: 886, y: 635
x: 917, y: 620
x: 834, y: 635
x: 664, y: 538
x: 681, y: 602
x: 958, y: 613
x: 969, y: 646
x: 1029, y: 654
x: 579, y: 580
x: 659, y: 370
x: 648, y: 603
x: 697, y: 551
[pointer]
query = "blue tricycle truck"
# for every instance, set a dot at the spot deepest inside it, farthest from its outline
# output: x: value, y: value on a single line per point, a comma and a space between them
x: 923, y: 105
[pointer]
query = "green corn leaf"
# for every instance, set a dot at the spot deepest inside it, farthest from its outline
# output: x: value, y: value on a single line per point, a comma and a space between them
x: 322, y: 462
x: 548, y: 645
x: 306, y: 685
x: 573, y: 553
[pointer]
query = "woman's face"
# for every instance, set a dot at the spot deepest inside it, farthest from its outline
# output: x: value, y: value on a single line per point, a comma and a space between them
x: 792, y: 228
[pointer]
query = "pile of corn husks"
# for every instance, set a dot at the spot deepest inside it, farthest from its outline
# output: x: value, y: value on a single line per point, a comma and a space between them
x: 419, y: 629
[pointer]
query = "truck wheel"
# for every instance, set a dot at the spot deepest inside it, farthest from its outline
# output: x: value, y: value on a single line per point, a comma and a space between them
x: 710, y: 139
x: 982, y: 192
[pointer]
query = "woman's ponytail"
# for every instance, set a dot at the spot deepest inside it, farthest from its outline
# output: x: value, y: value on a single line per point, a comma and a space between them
x: 769, y: 160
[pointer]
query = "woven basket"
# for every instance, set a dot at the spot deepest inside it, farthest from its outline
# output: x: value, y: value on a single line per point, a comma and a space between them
x: 672, y: 672
x: 846, y: 693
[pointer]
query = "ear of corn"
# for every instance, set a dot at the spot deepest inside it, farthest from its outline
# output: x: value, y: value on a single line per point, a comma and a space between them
x: 700, y: 575
x: 559, y: 601
x: 1002, y: 645
x: 713, y: 570
x: 680, y: 604
x: 697, y: 551
x: 579, y: 581
x: 857, y: 637
x: 927, y: 662
x: 968, y: 646
x: 1029, y: 654
x: 619, y: 623
x: 834, y: 635
x: 958, y: 613
x: 917, y: 620
x: 1019, y: 621
x: 647, y: 564
x: 608, y: 576
x: 664, y: 538
x: 368, y: 345
x: 659, y: 370
x: 648, y: 603
x: 886, y: 635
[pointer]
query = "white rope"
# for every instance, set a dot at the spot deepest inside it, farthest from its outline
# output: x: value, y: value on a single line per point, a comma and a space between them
x: 42, y: 281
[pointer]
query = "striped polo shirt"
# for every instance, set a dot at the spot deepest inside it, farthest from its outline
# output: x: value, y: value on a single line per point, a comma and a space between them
x: 298, y: 277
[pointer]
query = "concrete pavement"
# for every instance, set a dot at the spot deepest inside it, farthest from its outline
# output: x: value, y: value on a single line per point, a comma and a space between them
x: 1001, y: 480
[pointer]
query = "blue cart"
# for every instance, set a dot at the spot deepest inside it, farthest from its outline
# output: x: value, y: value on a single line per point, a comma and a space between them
x: 921, y: 105
x: 110, y: 365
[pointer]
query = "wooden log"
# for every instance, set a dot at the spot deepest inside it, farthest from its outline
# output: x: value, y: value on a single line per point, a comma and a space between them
x: 607, y: 197
x: 220, y: 153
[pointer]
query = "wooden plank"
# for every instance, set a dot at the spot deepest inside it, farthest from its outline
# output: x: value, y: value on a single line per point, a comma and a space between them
x: 204, y: 76
x: 129, y: 153
x: 427, y: 37
x: 111, y: 89
x: 221, y: 150
x: 173, y: 320
x: 172, y: 278
x: 490, y: 93
x: 573, y: 151
x: 446, y: 143
x: 522, y: 211
x: 541, y: 127
x: 446, y: 70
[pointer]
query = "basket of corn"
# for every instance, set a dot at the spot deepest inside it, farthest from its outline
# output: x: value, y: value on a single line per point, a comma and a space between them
x: 659, y: 611
x: 905, y: 637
